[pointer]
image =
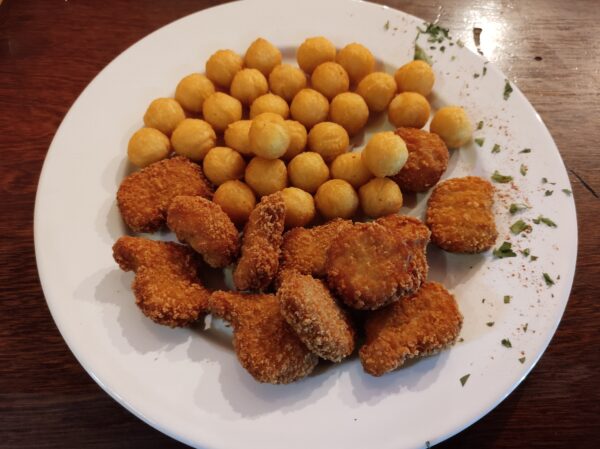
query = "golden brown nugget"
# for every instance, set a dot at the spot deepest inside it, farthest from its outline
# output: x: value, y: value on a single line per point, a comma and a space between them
x: 261, y: 245
x: 144, y: 196
x: 206, y: 228
x: 420, y: 325
x: 427, y: 160
x: 459, y: 214
x: 309, y: 307
x: 166, y: 285
x: 265, y: 344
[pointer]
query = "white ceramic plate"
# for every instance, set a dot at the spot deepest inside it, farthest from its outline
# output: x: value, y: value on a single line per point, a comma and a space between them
x: 187, y: 383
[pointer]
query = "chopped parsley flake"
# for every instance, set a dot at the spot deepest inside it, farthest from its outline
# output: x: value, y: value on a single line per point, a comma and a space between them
x: 496, y: 148
x: 523, y: 169
x: 548, y: 192
x: 453, y: 57
x: 420, y: 55
x: 516, y: 207
x: 545, y: 220
x: 436, y: 32
x: 497, y: 177
x: 484, y: 71
x: 507, y: 299
x: 475, y: 75
x: 480, y: 125
x: 505, y: 250
x: 548, y: 279
x: 544, y: 180
x: 533, y: 258
x: 525, y: 252
x: 489, y: 323
x: 525, y: 150
x: 525, y: 326
x: 567, y: 192
x: 506, y: 343
x: 460, y: 43
x: 519, y: 226
x: 479, y: 141
x: 386, y: 26
x: 507, y: 89
x: 522, y: 359
x: 463, y: 380
x: 442, y: 49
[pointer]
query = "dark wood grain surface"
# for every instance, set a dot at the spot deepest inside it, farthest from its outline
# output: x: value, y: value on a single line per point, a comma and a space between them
x: 50, y: 50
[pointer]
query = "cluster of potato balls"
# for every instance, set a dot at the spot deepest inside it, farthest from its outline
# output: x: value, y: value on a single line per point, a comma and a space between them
x: 296, y: 137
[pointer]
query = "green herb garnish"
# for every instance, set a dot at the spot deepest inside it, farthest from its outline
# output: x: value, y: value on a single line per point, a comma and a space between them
x: 522, y: 359
x: 507, y: 89
x: 506, y: 343
x: 544, y: 180
x: 525, y: 326
x: 567, y: 192
x: 546, y: 221
x: 505, y: 250
x: 480, y: 125
x: 525, y: 150
x: 484, y: 71
x: 519, y: 226
x: 476, y: 75
x: 507, y: 299
x: 516, y: 207
x: 436, y: 32
x: 479, y: 141
x: 463, y: 380
x: 523, y: 169
x: 497, y: 177
x: 548, y: 279
x: 420, y: 55
x: 496, y: 148
x: 533, y: 258
x: 525, y: 252
x: 548, y: 192
x: 489, y: 323
x: 386, y: 26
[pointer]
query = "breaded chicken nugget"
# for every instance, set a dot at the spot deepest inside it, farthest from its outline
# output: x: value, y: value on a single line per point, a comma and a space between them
x: 261, y: 245
x: 371, y: 265
x: 144, y: 196
x: 206, y: 228
x: 427, y: 160
x: 308, y: 306
x: 266, y: 346
x: 166, y: 285
x: 420, y: 325
x: 459, y: 214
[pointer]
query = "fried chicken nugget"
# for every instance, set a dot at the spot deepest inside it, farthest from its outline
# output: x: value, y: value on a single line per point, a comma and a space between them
x: 143, y: 197
x: 166, y: 285
x: 266, y: 346
x: 459, y: 214
x: 420, y: 325
x: 309, y: 307
x: 206, y: 228
x: 261, y: 244
x: 427, y: 160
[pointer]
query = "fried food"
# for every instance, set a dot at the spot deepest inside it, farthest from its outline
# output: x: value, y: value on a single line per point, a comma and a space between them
x: 336, y: 198
x: 261, y: 243
x: 144, y: 196
x: 427, y: 160
x: 166, y: 285
x: 417, y: 326
x: 453, y: 125
x: 206, y: 228
x: 310, y: 309
x: 379, y: 197
x: 385, y: 154
x: 264, y: 343
x: 459, y: 214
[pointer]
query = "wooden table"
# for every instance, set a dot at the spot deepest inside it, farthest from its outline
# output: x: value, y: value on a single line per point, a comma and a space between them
x: 50, y: 50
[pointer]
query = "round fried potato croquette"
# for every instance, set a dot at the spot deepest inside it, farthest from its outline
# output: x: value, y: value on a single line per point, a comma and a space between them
x: 193, y: 90
x: 409, y: 109
x: 262, y: 55
x: 416, y: 76
x: 314, y: 51
x: 385, y: 154
x: 269, y: 103
x: 350, y: 167
x: 220, y: 110
x: 336, y: 198
x: 329, y: 140
x: 309, y: 107
x: 147, y: 145
x: 266, y: 176
x: 248, y: 85
x: 299, y: 207
x: 223, y: 164
x: 452, y: 124
x: 236, y: 199
x: 236, y: 136
x: 377, y: 89
x: 164, y: 114
x: 193, y: 138
x: 298, y: 139
x: 222, y: 66
x: 308, y: 171
x: 350, y: 111
x: 286, y: 81
x: 379, y: 197
x: 357, y: 60
x: 268, y: 136
x: 330, y: 79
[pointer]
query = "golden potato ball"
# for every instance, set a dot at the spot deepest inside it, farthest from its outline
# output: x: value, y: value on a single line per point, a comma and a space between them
x: 193, y: 90
x: 222, y: 66
x: 193, y: 138
x: 357, y: 60
x: 336, y: 198
x: 351, y: 168
x: 313, y: 52
x: 220, y: 110
x: 350, y: 111
x: 377, y: 89
x: 237, y: 136
x: 330, y: 79
x: 299, y: 207
x: 286, y: 81
x: 298, y: 139
x: 164, y: 114
x: 385, y: 154
x: 248, y: 85
x: 223, y: 164
x: 308, y: 171
x: 146, y: 146
x: 268, y: 136
x: 416, y: 76
x: 409, y: 110
x: 452, y: 124
x: 236, y: 199
x: 262, y: 55
x: 266, y: 176
x: 270, y: 103
x: 309, y: 107
x: 379, y: 197
x: 329, y: 140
